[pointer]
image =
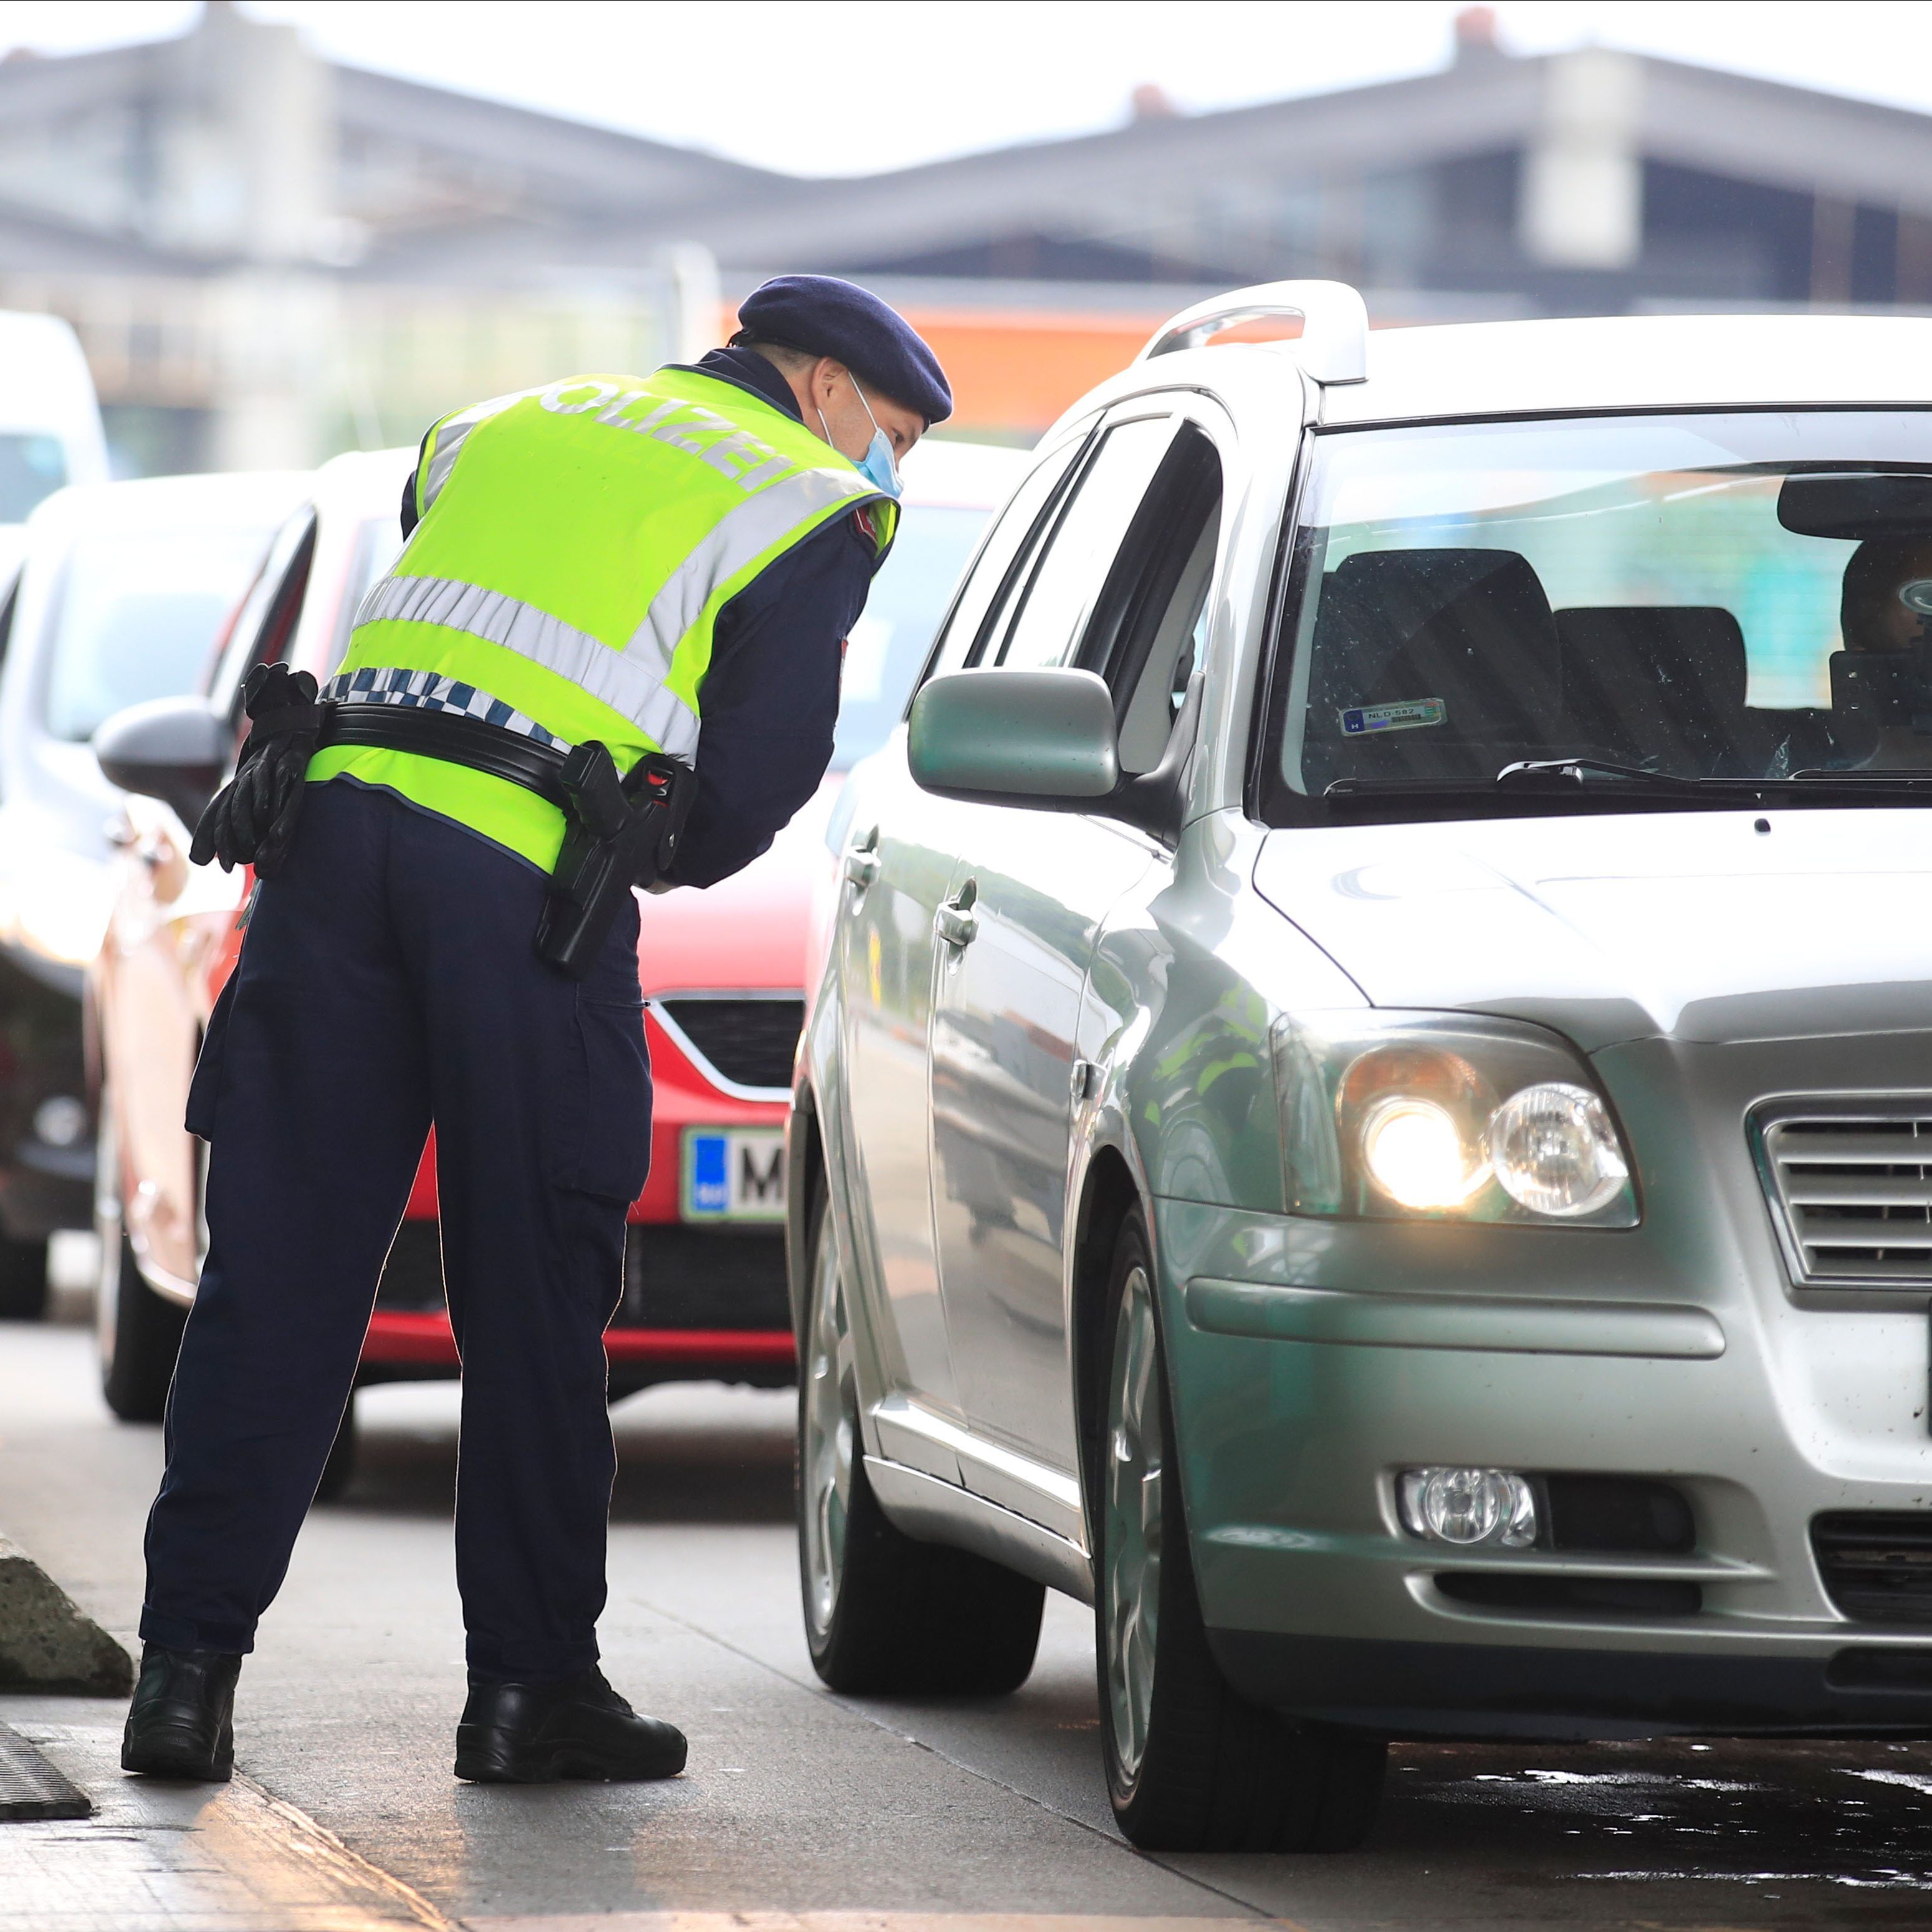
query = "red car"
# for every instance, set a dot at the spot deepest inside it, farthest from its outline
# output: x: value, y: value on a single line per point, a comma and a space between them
x: 722, y: 971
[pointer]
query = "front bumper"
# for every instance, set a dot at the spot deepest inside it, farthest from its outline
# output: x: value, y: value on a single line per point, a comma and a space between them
x: 1763, y: 1414
x: 1448, y: 1690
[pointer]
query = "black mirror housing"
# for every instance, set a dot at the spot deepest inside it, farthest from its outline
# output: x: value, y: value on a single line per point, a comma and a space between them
x: 171, y: 748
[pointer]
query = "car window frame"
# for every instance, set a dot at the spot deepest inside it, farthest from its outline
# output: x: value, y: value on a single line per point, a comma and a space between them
x: 270, y: 609
x: 1007, y: 610
x: 1149, y: 568
x: 1071, y: 450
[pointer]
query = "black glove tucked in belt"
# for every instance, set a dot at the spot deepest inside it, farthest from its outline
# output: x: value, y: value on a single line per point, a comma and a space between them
x: 251, y: 820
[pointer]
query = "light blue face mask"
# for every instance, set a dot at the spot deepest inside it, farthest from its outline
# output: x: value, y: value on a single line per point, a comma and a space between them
x: 877, y: 465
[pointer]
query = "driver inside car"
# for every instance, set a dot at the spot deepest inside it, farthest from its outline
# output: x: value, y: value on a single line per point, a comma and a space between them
x: 1883, y: 676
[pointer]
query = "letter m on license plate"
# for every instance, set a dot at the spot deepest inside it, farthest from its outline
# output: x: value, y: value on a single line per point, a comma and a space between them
x: 733, y: 1174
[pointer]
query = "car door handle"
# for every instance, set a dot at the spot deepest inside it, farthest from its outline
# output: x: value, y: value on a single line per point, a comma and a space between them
x: 861, y: 860
x: 956, y: 922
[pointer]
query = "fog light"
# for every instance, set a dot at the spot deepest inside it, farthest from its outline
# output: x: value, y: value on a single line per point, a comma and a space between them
x: 60, y: 1121
x: 1473, y: 1508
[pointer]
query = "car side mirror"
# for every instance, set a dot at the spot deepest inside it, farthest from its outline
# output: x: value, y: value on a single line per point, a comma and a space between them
x: 171, y: 748
x: 1046, y: 740
x: 1043, y: 738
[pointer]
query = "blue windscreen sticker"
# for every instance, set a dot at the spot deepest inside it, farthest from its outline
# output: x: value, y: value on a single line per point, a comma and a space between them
x: 1410, y: 716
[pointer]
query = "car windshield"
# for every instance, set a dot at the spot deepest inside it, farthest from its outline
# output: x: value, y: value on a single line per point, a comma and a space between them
x: 31, y: 467
x: 1695, y: 597
x: 889, y: 643
x: 135, y: 615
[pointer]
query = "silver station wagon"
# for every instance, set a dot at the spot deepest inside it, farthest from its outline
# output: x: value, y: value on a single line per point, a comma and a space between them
x: 1369, y: 1110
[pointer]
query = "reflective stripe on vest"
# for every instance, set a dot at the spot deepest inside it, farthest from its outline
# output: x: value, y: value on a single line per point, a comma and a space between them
x: 636, y: 688
x: 446, y: 439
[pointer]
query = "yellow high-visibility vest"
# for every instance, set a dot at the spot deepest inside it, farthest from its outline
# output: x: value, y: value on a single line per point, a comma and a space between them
x: 576, y: 545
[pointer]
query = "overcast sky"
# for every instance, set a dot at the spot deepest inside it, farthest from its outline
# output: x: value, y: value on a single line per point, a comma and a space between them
x: 849, y: 86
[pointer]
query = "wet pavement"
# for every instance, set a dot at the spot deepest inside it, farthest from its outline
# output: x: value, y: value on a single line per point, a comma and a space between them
x: 802, y: 1809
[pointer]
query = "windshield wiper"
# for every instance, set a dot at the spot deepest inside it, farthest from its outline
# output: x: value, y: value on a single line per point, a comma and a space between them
x: 1527, y: 774
x: 1861, y: 781
x: 1556, y: 776
x: 1580, y: 770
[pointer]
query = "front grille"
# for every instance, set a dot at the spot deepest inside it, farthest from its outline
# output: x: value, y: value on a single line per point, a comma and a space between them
x: 680, y: 1277
x: 1876, y: 1564
x: 1851, y: 1187
x: 750, y: 1043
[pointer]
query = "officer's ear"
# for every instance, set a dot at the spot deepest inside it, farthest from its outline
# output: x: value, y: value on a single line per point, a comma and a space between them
x: 823, y: 381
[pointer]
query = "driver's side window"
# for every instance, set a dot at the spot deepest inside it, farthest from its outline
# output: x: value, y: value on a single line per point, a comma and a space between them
x: 1147, y: 633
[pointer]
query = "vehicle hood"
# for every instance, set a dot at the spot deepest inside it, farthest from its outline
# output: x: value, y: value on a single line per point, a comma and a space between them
x: 1696, y: 926
x: 750, y: 930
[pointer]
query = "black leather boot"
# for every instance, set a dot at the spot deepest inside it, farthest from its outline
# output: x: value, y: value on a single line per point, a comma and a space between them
x: 537, y: 1733
x: 182, y: 1722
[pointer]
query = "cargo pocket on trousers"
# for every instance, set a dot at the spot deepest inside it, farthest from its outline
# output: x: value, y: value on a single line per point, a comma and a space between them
x: 608, y: 1096
x: 205, y: 1087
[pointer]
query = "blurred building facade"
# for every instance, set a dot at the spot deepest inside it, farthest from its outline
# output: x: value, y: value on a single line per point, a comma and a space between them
x: 269, y: 255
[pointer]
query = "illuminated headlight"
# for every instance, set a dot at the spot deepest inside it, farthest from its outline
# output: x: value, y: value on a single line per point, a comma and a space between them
x: 1446, y: 1116
x: 1417, y: 1154
x: 57, y: 904
x: 1474, y: 1509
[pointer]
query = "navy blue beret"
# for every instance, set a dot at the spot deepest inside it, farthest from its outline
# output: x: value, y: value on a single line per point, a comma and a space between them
x: 826, y: 317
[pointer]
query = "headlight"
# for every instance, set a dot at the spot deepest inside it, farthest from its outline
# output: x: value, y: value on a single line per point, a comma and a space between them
x: 1444, y: 1116
x: 58, y: 906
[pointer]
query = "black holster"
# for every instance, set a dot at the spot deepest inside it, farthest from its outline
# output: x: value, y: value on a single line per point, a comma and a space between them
x: 620, y: 832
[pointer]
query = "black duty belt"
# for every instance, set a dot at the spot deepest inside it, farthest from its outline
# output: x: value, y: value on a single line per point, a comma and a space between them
x: 619, y: 832
x: 453, y: 737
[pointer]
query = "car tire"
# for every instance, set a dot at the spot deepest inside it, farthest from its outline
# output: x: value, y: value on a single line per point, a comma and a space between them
x: 885, y: 1615
x: 137, y: 1333
x: 23, y: 1280
x: 339, y: 1471
x: 1191, y: 1766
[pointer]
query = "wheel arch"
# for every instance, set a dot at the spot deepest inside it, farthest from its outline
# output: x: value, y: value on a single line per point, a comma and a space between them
x: 1109, y: 1193
x: 804, y: 1176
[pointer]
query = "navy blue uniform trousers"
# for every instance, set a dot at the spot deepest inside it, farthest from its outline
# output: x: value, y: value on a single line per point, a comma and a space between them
x: 388, y: 979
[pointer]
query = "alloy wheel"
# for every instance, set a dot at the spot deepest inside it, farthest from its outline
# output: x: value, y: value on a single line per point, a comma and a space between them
x: 1135, y: 1473
x: 828, y: 1442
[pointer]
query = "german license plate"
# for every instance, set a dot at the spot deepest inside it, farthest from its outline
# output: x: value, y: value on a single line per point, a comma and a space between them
x: 734, y: 1173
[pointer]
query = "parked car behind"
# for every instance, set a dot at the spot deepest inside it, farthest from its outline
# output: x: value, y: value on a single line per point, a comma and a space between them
x: 50, y: 433
x: 122, y: 588
x: 1401, y: 917
x: 721, y: 971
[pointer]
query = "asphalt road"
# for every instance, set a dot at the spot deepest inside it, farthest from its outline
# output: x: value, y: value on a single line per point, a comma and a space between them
x: 799, y: 1802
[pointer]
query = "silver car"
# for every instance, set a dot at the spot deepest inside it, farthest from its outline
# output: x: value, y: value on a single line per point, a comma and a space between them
x: 1369, y: 1107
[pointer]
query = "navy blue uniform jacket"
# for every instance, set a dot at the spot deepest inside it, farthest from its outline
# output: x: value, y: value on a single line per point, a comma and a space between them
x: 770, y: 699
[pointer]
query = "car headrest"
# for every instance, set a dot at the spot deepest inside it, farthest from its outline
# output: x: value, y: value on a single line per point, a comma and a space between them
x: 1625, y: 657
x: 1470, y: 627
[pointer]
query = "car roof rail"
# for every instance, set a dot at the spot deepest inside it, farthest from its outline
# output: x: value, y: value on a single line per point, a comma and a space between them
x: 1334, y: 340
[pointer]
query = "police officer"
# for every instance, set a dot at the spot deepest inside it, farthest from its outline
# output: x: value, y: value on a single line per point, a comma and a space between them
x: 659, y: 569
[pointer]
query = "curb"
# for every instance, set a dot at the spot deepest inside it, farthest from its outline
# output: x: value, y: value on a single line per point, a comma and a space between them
x: 46, y: 1643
